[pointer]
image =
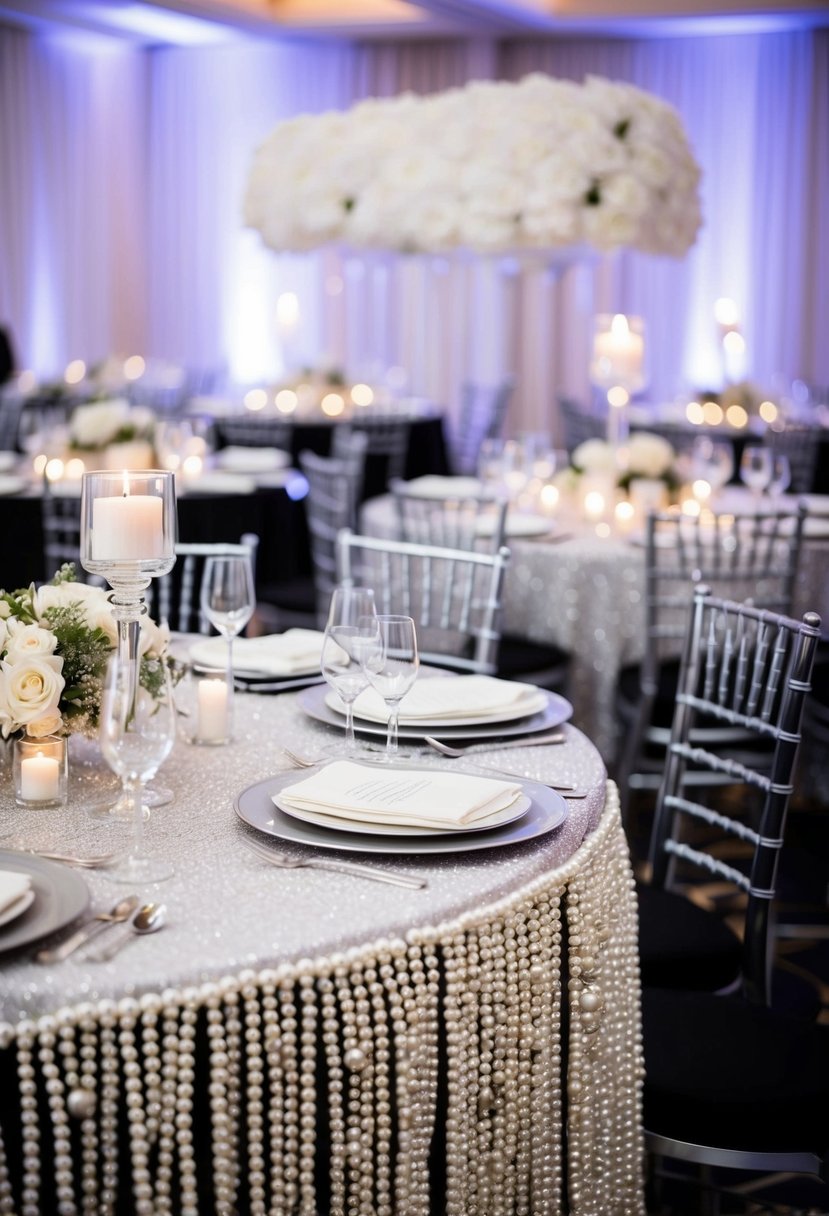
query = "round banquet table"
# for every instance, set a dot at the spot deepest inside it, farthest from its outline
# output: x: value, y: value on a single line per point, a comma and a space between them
x: 586, y: 595
x: 305, y: 1041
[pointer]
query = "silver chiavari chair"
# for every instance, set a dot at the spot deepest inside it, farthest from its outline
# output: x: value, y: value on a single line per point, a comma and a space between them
x: 175, y: 598
x: 474, y: 522
x: 334, y: 487
x: 453, y: 595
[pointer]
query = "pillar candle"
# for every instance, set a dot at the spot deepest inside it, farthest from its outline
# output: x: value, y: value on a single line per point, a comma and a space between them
x: 39, y: 778
x: 212, y: 711
x: 128, y: 527
x: 619, y: 353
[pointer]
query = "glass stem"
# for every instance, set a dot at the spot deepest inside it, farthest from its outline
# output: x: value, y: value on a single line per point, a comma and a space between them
x: 132, y: 794
x: 229, y: 683
x: 391, y: 734
x: 350, y: 741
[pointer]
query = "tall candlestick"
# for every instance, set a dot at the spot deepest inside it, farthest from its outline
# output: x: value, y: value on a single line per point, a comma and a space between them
x: 618, y: 355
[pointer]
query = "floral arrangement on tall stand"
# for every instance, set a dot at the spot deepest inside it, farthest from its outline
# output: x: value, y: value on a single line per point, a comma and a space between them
x: 55, y: 641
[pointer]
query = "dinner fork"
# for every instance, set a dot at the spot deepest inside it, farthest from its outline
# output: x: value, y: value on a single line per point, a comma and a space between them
x: 299, y: 760
x: 286, y: 862
x: 69, y: 859
x: 493, y: 745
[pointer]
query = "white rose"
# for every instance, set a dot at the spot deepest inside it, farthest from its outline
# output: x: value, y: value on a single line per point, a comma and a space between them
x: 63, y: 595
x: 28, y: 641
x: 154, y: 638
x: 3, y: 634
x: 649, y: 455
x: 49, y: 724
x: 595, y: 456
x: 29, y: 691
x: 5, y: 610
x: 95, y: 425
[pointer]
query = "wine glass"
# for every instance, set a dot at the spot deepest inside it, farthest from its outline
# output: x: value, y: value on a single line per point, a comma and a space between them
x: 228, y: 598
x: 350, y: 630
x: 713, y: 461
x: 391, y: 661
x: 137, y: 728
x: 781, y: 476
x: 756, y: 468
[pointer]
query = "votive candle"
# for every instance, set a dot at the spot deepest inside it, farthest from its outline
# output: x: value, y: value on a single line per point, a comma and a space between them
x: 212, y: 711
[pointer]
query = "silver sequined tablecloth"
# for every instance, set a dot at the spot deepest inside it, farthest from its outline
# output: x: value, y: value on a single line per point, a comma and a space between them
x: 321, y: 1002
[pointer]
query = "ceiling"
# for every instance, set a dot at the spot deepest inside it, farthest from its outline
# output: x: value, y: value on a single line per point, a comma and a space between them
x: 188, y: 22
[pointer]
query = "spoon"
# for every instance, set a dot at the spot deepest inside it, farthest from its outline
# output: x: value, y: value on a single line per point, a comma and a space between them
x: 120, y: 912
x: 148, y: 919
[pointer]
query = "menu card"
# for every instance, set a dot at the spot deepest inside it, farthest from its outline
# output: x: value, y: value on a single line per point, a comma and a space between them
x: 446, y: 699
x: 406, y: 797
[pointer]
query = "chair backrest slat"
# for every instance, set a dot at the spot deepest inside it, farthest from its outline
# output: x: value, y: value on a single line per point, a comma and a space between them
x: 454, y: 595
x: 334, y: 487
x: 749, y: 668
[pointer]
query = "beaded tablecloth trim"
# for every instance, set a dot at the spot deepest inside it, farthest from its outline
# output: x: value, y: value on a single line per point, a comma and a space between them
x: 464, y: 1014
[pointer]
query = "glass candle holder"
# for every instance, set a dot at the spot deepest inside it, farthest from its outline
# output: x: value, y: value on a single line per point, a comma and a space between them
x: 205, y: 706
x: 617, y: 366
x: 40, y: 771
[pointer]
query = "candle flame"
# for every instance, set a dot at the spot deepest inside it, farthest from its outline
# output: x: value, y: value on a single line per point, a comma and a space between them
x: 619, y: 325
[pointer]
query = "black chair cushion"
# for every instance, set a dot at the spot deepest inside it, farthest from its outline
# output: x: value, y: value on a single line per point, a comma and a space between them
x: 518, y: 657
x: 668, y: 682
x: 683, y: 946
x: 725, y: 1073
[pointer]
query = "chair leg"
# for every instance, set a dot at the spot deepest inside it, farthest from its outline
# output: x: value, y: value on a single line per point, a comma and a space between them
x: 631, y: 752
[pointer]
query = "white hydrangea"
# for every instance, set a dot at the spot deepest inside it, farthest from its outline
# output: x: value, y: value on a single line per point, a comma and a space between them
x: 492, y: 167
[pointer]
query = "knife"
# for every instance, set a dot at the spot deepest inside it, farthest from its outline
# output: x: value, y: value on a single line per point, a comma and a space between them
x: 121, y: 911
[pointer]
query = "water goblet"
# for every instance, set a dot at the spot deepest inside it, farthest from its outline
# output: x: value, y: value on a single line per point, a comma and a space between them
x: 713, y: 461
x: 228, y: 599
x: 781, y: 476
x: 351, y: 629
x: 137, y: 729
x: 391, y: 661
x: 756, y: 468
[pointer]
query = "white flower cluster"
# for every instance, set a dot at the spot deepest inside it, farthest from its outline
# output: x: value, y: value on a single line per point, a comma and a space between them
x: 643, y: 455
x: 492, y: 167
x: 32, y: 682
x: 101, y: 422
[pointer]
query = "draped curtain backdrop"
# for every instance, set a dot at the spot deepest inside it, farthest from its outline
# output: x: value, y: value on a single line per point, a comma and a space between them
x: 123, y: 172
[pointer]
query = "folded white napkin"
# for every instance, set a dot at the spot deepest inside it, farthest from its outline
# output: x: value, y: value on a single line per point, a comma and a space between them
x: 406, y: 797
x: 241, y: 459
x: 220, y: 483
x: 277, y: 654
x: 445, y: 700
x: 434, y: 486
x: 12, y: 886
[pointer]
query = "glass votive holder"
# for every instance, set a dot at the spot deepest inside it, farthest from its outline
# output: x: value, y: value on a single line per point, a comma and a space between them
x: 40, y: 771
x: 205, y: 706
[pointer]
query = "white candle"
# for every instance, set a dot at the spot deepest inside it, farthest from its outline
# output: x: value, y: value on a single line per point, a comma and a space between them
x: 212, y: 711
x: 618, y: 353
x: 39, y: 778
x: 127, y: 527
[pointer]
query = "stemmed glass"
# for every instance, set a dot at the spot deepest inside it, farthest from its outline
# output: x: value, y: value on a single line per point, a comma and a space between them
x: 713, y: 461
x: 391, y: 661
x: 756, y: 468
x: 228, y: 599
x: 351, y: 629
x: 137, y: 729
x: 781, y: 476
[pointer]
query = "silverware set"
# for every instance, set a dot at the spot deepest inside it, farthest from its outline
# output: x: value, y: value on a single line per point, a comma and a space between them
x: 136, y: 921
x: 287, y: 861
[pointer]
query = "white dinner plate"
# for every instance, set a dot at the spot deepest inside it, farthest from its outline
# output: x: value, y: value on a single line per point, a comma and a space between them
x: 557, y: 710
x: 517, y: 526
x: 239, y: 459
x: 337, y: 823
x: 547, y: 811
x: 19, y: 906
x: 60, y: 896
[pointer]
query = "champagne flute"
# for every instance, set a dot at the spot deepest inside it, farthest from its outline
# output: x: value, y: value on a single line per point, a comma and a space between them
x: 756, y: 468
x: 137, y: 729
x: 391, y: 662
x: 350, y: 630
x: 228, y: 598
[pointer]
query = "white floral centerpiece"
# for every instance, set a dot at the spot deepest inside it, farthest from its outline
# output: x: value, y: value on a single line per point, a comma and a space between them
x: 643, y: 457
x: 121, y: 435
x: 492, y: 167
x: 55, y: 641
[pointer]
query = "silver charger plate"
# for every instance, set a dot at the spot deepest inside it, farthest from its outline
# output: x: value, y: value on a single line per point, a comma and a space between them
x: 557, y: 710
x: 61, y: 896
x: 547, y: 811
